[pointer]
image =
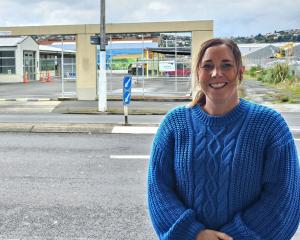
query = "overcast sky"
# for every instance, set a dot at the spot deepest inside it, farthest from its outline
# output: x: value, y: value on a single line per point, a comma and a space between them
x: 231, y: 18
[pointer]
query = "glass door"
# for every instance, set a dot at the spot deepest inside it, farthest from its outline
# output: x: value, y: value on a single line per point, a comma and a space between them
x: 29, y: 64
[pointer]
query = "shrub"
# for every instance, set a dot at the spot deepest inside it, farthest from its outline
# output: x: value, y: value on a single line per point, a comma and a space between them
x: 280, y: 73
x: 254, y: 71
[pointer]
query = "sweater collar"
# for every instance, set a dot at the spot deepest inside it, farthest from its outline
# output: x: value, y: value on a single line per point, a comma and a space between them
x: 225, y: 119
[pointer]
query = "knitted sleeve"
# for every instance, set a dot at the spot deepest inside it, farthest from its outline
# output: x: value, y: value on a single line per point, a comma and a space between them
x: 275, y: 216
x: 170, y: 217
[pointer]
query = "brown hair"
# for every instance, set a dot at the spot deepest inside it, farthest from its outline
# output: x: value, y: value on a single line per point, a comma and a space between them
x: 200, y: 96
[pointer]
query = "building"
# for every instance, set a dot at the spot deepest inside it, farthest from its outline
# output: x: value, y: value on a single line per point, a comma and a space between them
x: 257, y: 54
x: 296, y: 51
x: 86, y: 65
x: 267, y: 55
x: 19, y: 57
x: 52, y: 57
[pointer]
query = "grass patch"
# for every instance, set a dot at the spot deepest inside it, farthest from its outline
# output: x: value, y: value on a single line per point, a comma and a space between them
x: 289, y: 92
x: 252, y: 73
x: 278, y: 77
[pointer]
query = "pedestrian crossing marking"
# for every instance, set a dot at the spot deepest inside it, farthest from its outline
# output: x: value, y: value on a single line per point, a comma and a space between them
x: 134, y: 129
x: 129, y: 156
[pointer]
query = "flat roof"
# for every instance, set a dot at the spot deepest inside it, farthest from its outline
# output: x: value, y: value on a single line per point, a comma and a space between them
x: 171, y: 50
x: 47, y: 48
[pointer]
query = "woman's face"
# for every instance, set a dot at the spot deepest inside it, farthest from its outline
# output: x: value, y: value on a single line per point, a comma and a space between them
x: 218, y: 75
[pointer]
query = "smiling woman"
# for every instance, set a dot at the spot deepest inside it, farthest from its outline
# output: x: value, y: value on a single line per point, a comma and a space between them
x: 218, y: 78
x: 223, y: 167
x: 219, y: 65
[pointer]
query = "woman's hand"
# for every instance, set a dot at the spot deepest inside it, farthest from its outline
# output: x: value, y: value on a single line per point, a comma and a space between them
x: 212, y: 235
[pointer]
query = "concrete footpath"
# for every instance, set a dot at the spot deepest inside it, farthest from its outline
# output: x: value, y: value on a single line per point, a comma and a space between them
x: 70, y: 107
x: 157, y: 106
x: 21, y: 104
x: 74, y: 107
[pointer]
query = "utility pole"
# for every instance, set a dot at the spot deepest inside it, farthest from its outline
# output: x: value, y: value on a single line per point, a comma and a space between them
x: 102, y: 81
x: 62, y: 68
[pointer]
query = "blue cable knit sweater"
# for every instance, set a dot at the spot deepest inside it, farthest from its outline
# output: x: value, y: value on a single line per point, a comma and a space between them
x: 236, y: 173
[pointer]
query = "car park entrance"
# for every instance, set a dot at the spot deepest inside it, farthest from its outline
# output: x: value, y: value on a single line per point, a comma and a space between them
x: 86, y: 63
x: 160, y: 63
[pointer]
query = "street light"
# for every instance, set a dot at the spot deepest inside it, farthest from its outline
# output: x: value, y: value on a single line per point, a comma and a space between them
x: 102, y: 82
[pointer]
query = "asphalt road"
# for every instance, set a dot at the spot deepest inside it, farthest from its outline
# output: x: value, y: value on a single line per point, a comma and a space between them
x: 69, y: 186
x: 74, y: 186
x: 292, y: 118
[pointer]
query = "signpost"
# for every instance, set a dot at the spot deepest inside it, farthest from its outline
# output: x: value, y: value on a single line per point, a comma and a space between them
x: 102, y: 82
x: 127, y: 82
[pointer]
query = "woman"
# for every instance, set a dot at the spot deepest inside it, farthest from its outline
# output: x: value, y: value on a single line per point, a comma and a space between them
x: 223, y: 168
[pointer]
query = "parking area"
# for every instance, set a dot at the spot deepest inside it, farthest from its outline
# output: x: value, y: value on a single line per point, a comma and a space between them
x: 141, y: 86
x: 36, y: 89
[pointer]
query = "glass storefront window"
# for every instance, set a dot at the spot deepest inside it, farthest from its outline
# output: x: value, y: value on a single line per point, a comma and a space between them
x: 7, y: 62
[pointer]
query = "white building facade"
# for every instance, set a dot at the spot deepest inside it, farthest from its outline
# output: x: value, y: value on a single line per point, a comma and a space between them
x: 19, y: 56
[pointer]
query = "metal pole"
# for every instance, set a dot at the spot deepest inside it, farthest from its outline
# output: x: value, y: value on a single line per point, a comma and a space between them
x: 111, y: 63
x: 62, y: 68
x: 102, y: 83
x: 176, y: 87
x: 126, y: 114
x: 143, y: 57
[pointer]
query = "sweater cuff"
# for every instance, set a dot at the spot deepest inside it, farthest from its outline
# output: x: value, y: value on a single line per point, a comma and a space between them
x: 188, y: 228
x: 238, y: 230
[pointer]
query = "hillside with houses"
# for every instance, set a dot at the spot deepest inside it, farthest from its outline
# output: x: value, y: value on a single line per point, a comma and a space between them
x: 292, y: 35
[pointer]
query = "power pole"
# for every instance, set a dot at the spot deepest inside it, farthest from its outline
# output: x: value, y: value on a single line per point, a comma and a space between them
x: 102, y: 81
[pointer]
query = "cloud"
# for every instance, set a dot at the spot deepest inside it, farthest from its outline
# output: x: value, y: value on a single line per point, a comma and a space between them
x: 231, y: 18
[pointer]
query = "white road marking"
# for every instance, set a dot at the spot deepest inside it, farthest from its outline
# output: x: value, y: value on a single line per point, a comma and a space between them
x: 297, y: 139
x: 129, y: 156
x: 294, y: 129
x: 134, y: 130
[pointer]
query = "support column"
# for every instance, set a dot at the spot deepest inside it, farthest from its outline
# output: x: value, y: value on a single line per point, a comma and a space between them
x: 198, y: 37
x: 86, y: 72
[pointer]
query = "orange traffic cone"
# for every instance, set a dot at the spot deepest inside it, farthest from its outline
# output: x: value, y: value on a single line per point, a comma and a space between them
x: 25, y: 78
x: 42, y: 78
x: 49, y: 77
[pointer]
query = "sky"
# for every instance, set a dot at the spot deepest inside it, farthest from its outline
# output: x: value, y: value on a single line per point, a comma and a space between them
x: 231, y: 18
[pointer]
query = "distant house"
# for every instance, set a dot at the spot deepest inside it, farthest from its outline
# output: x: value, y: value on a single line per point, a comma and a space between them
x: 19, y: 56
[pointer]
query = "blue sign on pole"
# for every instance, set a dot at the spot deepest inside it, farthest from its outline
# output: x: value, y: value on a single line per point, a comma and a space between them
x: 126, y: 98
x: 127, y: 81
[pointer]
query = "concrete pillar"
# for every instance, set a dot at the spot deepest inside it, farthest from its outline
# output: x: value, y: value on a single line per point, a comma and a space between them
x: 198, y: 37
x: 86, y: 72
